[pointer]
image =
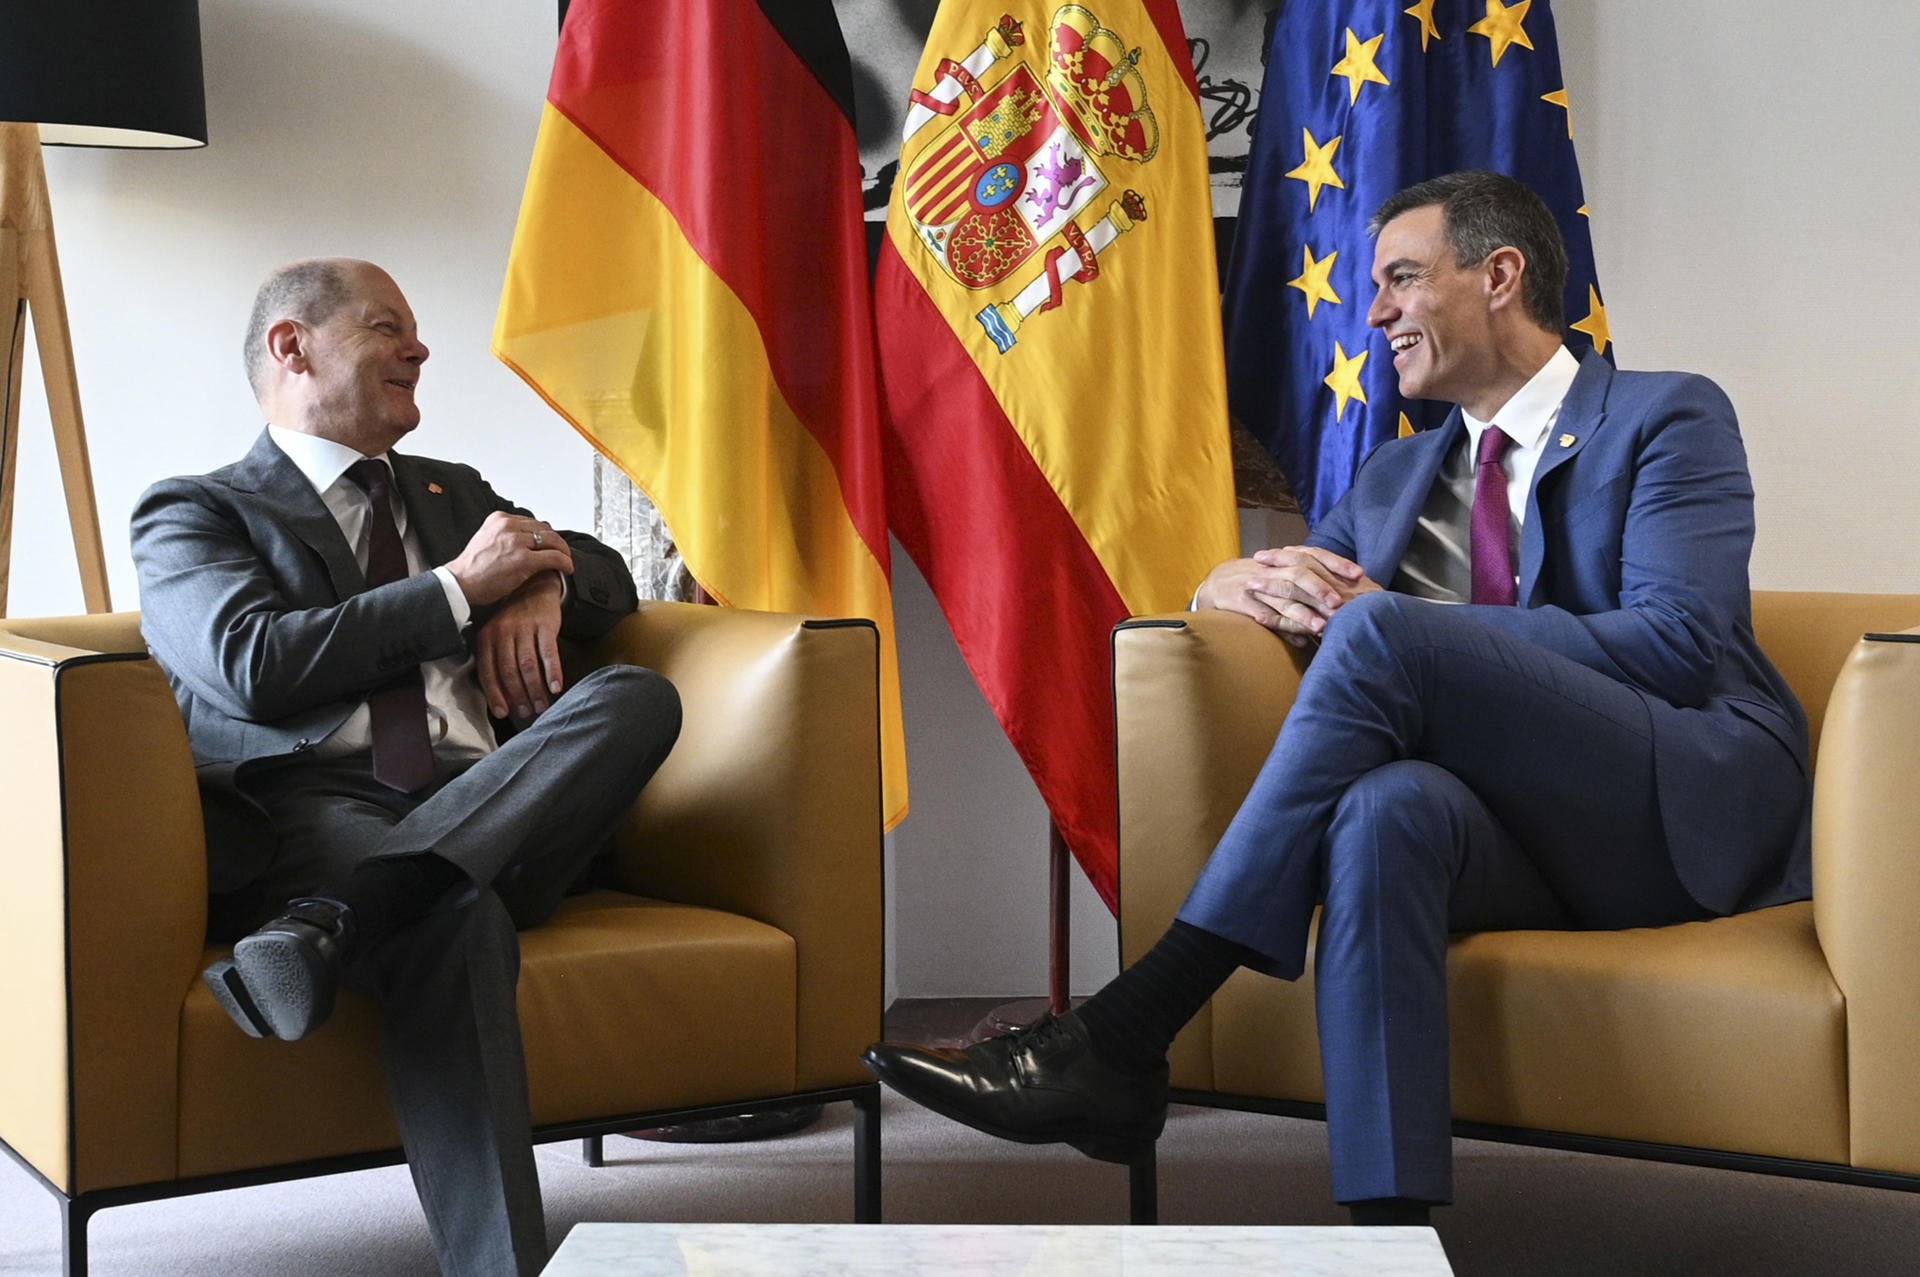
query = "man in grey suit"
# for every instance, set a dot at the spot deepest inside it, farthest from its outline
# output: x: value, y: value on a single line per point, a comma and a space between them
x: 364, y: 647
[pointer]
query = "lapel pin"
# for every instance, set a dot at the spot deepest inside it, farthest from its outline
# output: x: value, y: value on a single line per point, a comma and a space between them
x: 436, y: 489
x: 1566, y: 441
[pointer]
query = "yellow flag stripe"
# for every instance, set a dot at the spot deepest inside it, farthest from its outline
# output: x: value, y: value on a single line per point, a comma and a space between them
x: 1120, y: 393
x: 622, y: 327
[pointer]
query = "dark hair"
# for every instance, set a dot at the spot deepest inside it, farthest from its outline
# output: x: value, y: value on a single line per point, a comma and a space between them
x: 311, y: 291
x: 1484, y: 211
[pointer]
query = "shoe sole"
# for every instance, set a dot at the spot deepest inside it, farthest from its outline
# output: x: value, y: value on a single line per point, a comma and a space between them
x: 289, y: 986
x: 233, y: 998
x: 1104, y: 1148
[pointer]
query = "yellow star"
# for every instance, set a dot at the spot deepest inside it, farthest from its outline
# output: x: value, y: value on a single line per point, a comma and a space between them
x: 1344, y: 380
x: 1502, y: 27
x: 1559, y: 98
x: 1358, y: 65
x: 1313, y: 280
x: 1316, y: 170
x: 1595, y: 324
x: 1406, y: 427
x: 1582, y: 210
x: 1423, y: 10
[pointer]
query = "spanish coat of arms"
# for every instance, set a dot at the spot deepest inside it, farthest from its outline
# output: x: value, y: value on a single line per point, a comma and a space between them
x: 1015, y: 167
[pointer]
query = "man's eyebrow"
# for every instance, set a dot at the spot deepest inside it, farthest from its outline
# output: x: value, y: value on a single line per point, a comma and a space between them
x: 1394, y: 265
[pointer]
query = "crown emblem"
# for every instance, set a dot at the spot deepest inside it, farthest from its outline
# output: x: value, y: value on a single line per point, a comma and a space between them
x: 1099, y: 82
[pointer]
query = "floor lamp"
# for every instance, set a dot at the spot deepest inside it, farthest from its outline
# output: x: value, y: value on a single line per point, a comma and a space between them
x: 120, y: 73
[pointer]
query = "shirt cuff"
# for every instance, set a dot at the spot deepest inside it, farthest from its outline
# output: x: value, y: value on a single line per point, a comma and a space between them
x: 456, y: 597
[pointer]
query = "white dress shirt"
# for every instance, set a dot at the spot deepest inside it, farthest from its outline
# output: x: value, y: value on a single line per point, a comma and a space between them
x: 457, y: 722
x: 1527, y: 419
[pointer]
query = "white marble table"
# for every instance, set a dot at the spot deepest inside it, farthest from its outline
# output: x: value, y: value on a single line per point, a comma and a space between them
x: 992, y: 1250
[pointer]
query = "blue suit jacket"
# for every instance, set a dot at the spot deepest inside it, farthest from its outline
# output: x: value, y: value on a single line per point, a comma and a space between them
x: 1633, y: 562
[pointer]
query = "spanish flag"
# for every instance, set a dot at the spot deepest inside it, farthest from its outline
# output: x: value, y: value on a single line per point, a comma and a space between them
x: 1050, y: 363
x: 688, y: 287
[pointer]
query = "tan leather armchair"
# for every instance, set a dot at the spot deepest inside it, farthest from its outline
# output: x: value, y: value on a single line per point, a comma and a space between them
x: 1779, y: 1041
x: 750, y: 921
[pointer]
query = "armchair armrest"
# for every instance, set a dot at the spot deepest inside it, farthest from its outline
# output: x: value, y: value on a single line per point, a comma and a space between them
x: 102, y: 901
x: 1866, y: 888
x: 1198, y: 700
x: 769, y: 805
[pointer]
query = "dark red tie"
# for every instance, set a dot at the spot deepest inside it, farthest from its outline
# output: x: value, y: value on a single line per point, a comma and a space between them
x: 402, y: 754
x: 1492, y: 551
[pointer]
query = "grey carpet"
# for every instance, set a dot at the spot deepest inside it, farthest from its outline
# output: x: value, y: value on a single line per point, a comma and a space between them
x: 1520, y: 1210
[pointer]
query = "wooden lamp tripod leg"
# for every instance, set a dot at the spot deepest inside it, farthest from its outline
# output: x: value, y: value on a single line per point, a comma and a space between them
x: 30, y: 281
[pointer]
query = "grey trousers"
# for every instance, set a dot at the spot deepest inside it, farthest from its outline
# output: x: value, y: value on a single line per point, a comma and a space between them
x: 522, y: 824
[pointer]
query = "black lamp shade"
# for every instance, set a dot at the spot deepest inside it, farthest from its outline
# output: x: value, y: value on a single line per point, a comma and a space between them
x: 104, y: 72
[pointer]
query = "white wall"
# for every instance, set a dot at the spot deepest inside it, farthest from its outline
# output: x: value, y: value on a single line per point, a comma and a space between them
x: 1752, y: 189
x: 1754, y: 184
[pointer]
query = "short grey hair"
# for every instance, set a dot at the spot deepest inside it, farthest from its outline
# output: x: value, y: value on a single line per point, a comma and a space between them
x: 1482, y: 212
x: 311, y: 291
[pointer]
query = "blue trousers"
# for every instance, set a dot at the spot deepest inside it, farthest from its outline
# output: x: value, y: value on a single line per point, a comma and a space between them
x: 1434, y: 775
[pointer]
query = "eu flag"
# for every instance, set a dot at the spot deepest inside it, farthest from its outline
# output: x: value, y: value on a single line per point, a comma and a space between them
x: 1362, y: 99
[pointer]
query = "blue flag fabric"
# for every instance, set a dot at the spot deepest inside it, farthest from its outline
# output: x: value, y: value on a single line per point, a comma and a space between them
x: 1362, y: 99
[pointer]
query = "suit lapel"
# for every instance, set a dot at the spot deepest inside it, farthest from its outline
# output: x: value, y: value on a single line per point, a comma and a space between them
x: 1581, y: 416
x: 269, y: 473
x: 429, y: 510
x: 1428, y: 449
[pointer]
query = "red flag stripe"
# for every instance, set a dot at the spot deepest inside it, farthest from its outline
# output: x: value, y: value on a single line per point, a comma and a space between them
x: 657, y: 88
x: 1028, y: 601
x: 942, y: 167
x: 1166, y: 17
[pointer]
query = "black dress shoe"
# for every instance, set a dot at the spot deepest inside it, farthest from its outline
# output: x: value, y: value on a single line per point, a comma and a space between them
x: 283, y: 977
x: 1039, y: 1085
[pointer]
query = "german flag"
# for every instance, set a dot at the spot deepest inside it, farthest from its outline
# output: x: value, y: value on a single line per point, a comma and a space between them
x: 1050, y: 361
x: 688, y: 287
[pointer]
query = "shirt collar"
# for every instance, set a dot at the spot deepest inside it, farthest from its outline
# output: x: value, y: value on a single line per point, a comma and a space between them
x: 1528, y: 416
x: 322, y: 460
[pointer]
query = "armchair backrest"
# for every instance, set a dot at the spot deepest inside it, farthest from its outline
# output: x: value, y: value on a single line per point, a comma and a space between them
x: 1863, y: 707
x: 1809, y: 634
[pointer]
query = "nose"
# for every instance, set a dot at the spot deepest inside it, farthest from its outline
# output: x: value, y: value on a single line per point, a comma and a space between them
x: 417, y: 353
x: 1382, y: 312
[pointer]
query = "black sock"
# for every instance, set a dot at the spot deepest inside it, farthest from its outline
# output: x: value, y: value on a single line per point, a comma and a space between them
x: 387, y: 893
x: 1134, y: 1019
x: 1397, y: 1212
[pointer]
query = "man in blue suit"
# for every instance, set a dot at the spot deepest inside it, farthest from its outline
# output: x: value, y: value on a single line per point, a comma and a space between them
x: 1591, y: 739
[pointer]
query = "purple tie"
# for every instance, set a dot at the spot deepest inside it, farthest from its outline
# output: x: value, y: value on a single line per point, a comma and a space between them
x: 402, y: 755
x: 1492, y: 552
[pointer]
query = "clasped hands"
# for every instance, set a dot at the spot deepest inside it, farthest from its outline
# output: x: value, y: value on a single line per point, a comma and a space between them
x: 1292, y: 590
x: 513, y: 560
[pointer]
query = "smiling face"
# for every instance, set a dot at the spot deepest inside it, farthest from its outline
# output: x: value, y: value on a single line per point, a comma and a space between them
x: 362, y: 366
x: 1436, y: 314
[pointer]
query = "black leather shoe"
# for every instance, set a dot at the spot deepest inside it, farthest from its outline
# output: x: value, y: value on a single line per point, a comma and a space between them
x: 1039, y: 1085
x: 283, y: 977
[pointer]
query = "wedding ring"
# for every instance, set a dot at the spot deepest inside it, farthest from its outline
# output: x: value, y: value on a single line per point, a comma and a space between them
x: 538, y: 540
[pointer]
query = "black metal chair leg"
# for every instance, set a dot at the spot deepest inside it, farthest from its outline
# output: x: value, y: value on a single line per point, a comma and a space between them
x: 1143, y: 1187
x: 866, y: 1157
x: 593, y: 1150
x: 73, y: 1236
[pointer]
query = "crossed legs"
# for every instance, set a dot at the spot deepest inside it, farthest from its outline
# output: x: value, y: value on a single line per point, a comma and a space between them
x: 518, y: 828
x: 1435, y: 775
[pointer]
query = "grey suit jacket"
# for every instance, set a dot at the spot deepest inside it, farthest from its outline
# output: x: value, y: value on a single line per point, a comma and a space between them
x: 253, y: 603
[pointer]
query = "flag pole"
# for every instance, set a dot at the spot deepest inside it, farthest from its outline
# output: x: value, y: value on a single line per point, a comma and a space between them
x: 1060, y: 933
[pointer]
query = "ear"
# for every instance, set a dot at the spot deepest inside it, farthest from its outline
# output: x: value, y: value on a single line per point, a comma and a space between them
x: 287, y: 345
x: 1505, y: 268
